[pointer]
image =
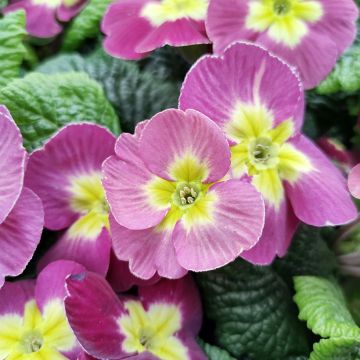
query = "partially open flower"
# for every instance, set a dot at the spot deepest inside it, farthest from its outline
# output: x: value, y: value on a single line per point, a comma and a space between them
x: 134, y: 28
x: 172, y: 210
x: 42, y: 16
x: 160, y: 324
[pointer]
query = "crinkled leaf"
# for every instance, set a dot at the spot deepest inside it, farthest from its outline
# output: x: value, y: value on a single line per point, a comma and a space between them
x: 135, y: 95
x: 41, y: 104
x: 322, y: 305
x: 336, y: 349
x: 214, y: 352
x: 86, y: 25
x: 12, y: 50
x: 253, y: 313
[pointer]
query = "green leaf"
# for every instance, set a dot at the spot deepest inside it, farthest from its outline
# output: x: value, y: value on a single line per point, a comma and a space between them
x: 41, y: 104
x: 86, y: 25
x: 322, y: 305
x: 214, y: 352
x: 252, y: 312
x: 135, y: 95
x: 336, y: 349
x: 12, y: 50
x: 346, y: 75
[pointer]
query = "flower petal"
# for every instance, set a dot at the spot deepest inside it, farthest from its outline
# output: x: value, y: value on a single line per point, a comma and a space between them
x: 77, y: 150
x: 280, y: 226
x: 320, y: 197
x: 354, y: 181
x: 148, y: 251
x: 184, y: 146
x: 66, y: 13
x: 245, y: 74
x: 93, y: 254
x: 228, y: 225
x: 20, y: 234
x: 93, y: 309
x: 12, y: 163
x: 120, y: 277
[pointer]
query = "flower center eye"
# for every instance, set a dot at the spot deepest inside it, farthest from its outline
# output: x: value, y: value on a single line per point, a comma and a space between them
x: 31, y: 342
x: 262, y: 152
x: 187, y: 195
x: 145, y: 338
x: 282, y: 7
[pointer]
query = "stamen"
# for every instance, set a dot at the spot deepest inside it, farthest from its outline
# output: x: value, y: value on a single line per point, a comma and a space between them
x: 187, y: 194
x: 32, y: 342
x: 282, y: 7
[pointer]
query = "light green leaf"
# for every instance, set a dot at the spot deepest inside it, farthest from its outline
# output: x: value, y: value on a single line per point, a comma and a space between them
x: 214, y: 352
x: 86, y: 25
x: 252, y: 312
x: 336, y: 349
x: 322, y: 305
x: 41, y: 104
x: 12, y: 50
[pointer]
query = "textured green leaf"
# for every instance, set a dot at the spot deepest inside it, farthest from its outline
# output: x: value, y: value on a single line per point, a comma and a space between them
x: 12, y: 50
x: 252, y: 311
x: 309, y: 254
x: 86, y: 25
x: 322, y: 305
x: 336, y: 349
x: 41, y: 104
x: 135, y: 95
x: 214, y: 352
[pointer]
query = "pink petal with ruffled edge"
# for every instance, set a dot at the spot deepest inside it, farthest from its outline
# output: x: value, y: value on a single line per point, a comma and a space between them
x: 66, y: 13
x: 14, y: 296
x: 279, y: 229
x: 20, y: 234
x: 320, y: 197
x: 40, y: 19
x: 354, y: 181
x: 120, y: 277
x: 76, y: 150
x: 173, y: 134
x: 12, y: 163
x: 245, y: 72
x: 93, y: 309
x: 93, y: 254
x: 236, y: 226
x: 147, y: 251
x: 124, y: 28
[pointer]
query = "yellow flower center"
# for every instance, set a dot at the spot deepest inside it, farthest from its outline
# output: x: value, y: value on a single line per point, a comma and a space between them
x: 87, y: 198
x: 171, y: 10
x: 36, y: 336
x: 153, y: 330
x: 55, y: 3
x: 262, y: 150
x: 286, y: 21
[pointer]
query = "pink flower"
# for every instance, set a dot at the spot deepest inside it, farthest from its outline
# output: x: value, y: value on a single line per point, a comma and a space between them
x: 42, y: 16
x: 33, y: 323
x: 354, y: 181
x: 134, y: 28
x: 257, y: 100
x: 21, y: 213
x: 172, y: 209
x: 66, y: 174
x: 310, y: 35
x: 164, y: 319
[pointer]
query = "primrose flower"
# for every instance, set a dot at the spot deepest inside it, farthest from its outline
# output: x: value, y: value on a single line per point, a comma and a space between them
x: 66, y: 174
x: 354, y: 181
x: 42, y: 15
x: 33, y: 323
x: 172, y: 210
x: 258, y: 102
x: 308, y: 34
x: 21, y: 212
x: 161, y: 323
x: 134, y: 28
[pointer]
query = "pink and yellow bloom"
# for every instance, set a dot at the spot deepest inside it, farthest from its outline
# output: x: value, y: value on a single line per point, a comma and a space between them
x: 160, y: 324
x: 21, y: 213
x: 308, y: 34
x: 134, y: 28
x: 43, y: 16
x: 66, y: 174
x: 257, y: 100
x: 354, y: 181
x: 172, y: 209
x: 33, y: 324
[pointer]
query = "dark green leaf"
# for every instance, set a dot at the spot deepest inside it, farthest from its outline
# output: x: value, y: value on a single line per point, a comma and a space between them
x: 214, y: 352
